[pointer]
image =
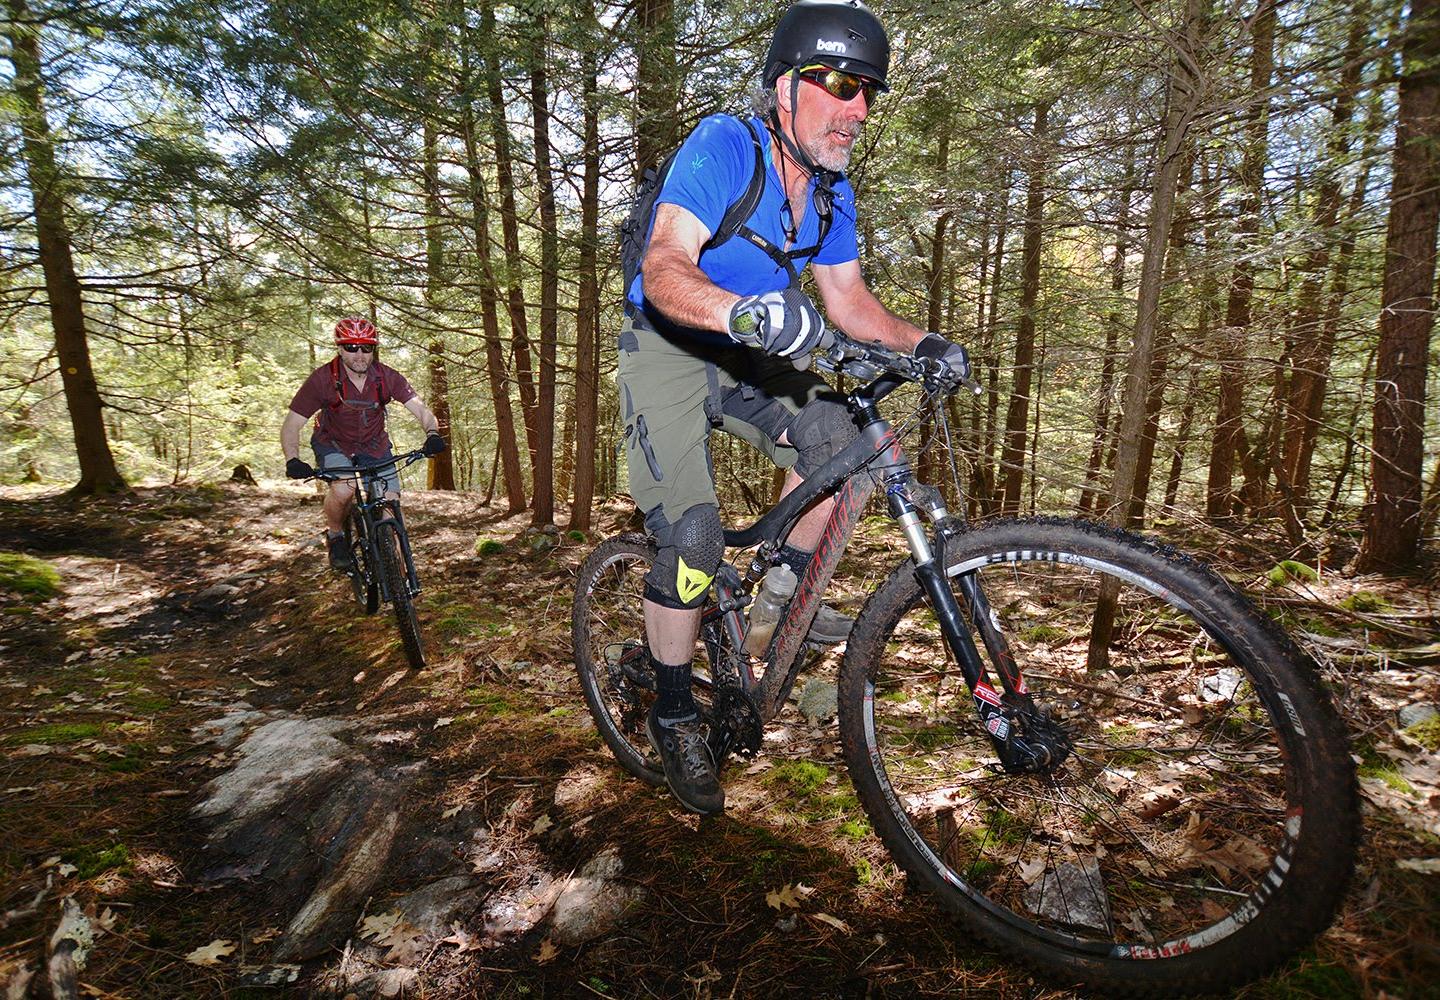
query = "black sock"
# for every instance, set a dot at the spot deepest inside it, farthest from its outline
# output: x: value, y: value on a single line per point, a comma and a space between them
x: 332, y: 535
x: 796, y: 559
x: 674, y: 700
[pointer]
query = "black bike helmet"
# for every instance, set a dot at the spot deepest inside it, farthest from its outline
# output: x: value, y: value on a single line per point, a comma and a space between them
x: 841, y: 34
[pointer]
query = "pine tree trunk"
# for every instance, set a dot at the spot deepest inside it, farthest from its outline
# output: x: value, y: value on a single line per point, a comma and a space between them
x: 98, y: 473
x: 986, y: 485
x: 655, y: 83
x: 1089, y: 494
x: 1313, y: 338
x: 1012, y: 458
x: 1164, y: 340
x: 1229, y: 442
x: 587, y: 358
x: 510, y: 232
x: 1407, y: 314
x: 544, y: 467
x: 441, y: 471
x: 1182, y: 100
x: 507, y: 447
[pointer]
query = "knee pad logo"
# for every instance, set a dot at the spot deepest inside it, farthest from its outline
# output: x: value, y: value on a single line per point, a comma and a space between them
x: 690, y: 583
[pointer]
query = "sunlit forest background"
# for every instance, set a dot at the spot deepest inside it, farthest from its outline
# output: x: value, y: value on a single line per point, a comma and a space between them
x: 1201, y: 202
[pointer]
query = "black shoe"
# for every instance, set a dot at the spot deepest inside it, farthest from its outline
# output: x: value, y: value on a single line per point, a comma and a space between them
x: 830, y: 627
x: 689, y: 767
x: 339, y: 554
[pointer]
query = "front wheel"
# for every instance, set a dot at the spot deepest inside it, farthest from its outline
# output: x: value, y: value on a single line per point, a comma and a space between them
x: 1201, y: 827
x: 364, y: 579
x: 392, y: 561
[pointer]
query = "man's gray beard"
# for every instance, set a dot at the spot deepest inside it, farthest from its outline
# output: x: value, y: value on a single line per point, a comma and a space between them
x: 829, y: 156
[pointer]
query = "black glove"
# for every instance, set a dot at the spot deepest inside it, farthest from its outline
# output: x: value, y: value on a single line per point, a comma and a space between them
x: 956, y: 358
x: 434, y: 444
x: 298, y: 468
x: 784, y: 323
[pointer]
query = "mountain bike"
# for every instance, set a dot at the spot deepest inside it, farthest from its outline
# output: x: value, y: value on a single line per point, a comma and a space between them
x: 382, y: 568
x: 1090, y: 747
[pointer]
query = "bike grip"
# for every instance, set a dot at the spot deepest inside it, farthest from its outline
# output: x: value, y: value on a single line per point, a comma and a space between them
x: 802, y: 362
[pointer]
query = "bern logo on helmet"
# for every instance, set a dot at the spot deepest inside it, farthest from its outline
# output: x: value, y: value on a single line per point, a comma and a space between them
x: 821, y: 45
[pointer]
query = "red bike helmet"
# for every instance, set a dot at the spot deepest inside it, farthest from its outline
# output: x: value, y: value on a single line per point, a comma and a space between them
x: 356, y: 330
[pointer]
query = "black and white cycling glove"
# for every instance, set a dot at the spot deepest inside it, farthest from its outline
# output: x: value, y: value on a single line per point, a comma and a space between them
x: 784, y: 323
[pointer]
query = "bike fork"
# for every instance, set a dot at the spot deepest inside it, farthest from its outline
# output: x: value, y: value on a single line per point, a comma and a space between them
x: 989, y: 704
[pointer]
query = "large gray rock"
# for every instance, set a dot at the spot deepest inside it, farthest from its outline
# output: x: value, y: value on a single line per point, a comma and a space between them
x: 311, y: 818
x: 431, y: 910
x: 593, y: 902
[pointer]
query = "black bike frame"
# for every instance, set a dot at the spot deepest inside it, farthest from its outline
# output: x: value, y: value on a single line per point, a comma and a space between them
x: 877, y: 451
x: 372, y: 506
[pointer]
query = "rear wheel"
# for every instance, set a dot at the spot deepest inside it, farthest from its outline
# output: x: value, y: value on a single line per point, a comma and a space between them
x: 607, y: 630
x: 392, y: 561
x: 1201, y: 825
x: 612, y: 659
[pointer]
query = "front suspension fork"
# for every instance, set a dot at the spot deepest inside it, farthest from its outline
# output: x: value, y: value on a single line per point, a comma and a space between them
x: 998, y: 713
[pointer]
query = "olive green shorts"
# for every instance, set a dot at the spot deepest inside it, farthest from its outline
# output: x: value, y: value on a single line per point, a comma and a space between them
x: 675, y: 390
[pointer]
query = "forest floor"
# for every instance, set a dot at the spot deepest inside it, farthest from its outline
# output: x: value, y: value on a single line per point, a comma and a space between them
x: 180, y: 605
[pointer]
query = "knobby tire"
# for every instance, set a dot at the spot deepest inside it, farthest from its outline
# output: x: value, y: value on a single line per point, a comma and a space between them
x: 607, y: 631
x: 392, y: 561
x: 364, y: 584
x: 1203, y: 826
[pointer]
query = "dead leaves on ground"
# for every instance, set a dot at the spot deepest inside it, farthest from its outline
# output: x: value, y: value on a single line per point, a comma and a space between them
x: 790, y: 897
x: 211, y: 954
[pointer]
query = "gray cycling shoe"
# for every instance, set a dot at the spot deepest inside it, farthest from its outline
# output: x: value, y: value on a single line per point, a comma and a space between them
x: 689, y: 766
x: 830, y: 627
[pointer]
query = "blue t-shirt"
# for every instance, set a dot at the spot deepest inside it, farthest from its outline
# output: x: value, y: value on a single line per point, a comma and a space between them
x: 710, y: 173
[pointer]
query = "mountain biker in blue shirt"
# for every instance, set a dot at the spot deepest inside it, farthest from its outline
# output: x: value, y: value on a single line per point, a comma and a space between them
x: 681, y: 371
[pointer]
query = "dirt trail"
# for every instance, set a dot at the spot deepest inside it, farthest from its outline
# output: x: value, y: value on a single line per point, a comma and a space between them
x: 198, y: 631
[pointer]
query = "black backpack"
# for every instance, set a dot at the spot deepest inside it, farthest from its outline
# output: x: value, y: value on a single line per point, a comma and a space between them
x: 635, y: 230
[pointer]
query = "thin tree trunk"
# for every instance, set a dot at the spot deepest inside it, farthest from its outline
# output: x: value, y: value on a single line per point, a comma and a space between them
x: 1314, y: 339
x: 544, y: 467
x: 986, y: 469
x: 1017, y: 414
x: 1182, y: 100
x: 98, y: 473
x: 587, y: 358
x: 1103, y: 401
x: 1164, y: 339
x: 507, y: 447
x: 1229, y: 441
x: 655, y: 83
x: 510, y: 232
x: 1182, y: 440
x: 1407, y: 313
x: 441, y: 472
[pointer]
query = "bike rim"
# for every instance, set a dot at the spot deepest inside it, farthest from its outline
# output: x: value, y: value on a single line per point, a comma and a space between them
x: 614, y: 630
x: 1173, y: 820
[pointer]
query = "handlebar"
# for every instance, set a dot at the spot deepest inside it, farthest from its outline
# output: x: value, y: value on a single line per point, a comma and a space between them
x: 368, y: 471
x: 864, y: 361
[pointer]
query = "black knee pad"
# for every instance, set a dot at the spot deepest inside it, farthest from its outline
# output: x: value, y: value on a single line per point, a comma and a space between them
x: 690, y: 551
x: 821, y: 430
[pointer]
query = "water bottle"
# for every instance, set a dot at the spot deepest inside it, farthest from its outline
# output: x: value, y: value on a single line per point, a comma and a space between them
x: 770, y: 600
